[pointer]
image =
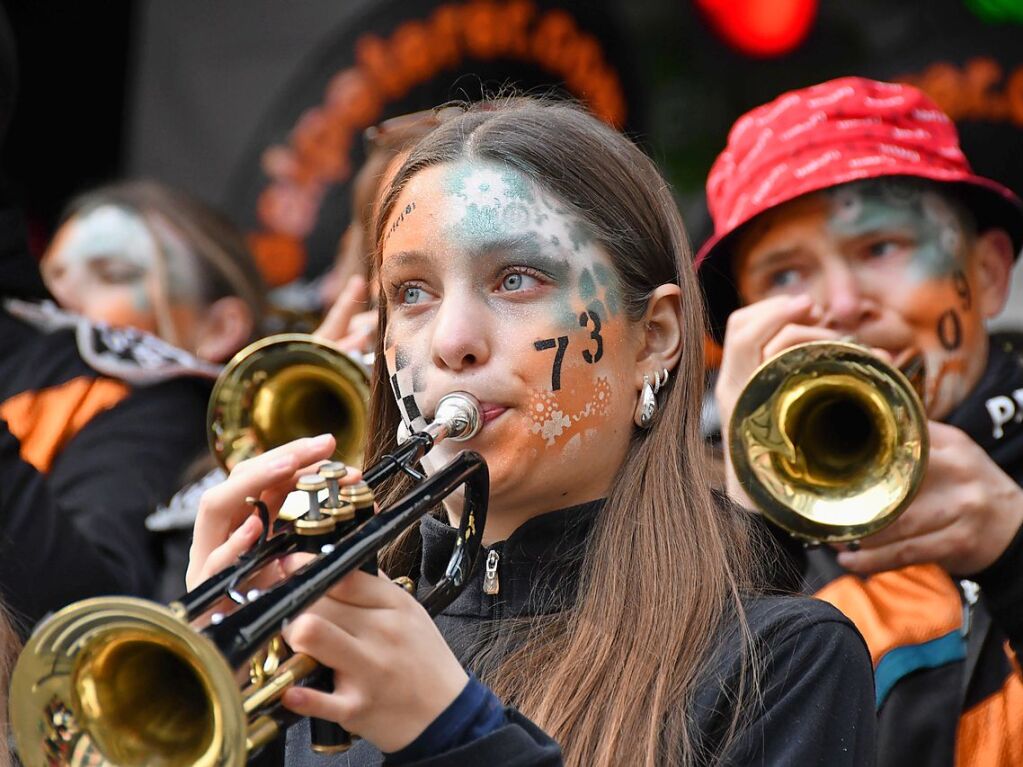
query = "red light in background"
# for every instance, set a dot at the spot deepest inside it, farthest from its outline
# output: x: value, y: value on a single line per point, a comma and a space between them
x: 761, y: 28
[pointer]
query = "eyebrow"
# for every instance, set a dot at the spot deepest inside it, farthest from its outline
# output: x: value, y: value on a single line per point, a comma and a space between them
x: 486, y: 247
x: 770, y: 259
x: 532, y: 254
x: 529, y: 249
x: 403, y: 258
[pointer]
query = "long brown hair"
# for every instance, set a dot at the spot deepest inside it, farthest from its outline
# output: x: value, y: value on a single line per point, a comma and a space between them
x: 665, y: 567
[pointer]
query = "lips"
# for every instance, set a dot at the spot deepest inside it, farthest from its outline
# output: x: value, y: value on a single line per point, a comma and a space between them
x: 490, y: 412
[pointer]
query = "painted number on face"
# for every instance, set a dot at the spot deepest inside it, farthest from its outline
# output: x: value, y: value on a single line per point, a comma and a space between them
x: 950, y: 330
x: 584, y: 319
x: 549, y: 343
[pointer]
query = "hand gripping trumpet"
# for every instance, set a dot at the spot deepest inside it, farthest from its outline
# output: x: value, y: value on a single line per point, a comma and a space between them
x: 128, y: 682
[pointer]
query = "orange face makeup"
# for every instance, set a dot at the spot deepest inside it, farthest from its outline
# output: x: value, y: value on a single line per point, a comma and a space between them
x: 495, y: 287
x: 887, y: 260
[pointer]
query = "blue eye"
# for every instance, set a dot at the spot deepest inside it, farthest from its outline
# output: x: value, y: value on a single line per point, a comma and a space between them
x: 411, y: 295
x: 784, y: 278
x: 883, y: 248
x: 516, y: 281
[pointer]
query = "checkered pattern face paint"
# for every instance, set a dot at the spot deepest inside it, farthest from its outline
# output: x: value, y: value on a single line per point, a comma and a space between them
x: 403, y: 387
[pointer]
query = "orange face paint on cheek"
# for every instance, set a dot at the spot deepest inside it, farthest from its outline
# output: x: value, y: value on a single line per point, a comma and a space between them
x: 947, y: 329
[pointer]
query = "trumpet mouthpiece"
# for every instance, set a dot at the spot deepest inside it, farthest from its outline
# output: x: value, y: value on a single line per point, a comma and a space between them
x: 461, y: 414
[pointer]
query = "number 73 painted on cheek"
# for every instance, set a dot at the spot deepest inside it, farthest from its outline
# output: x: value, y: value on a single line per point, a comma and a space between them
x: 585, y: 318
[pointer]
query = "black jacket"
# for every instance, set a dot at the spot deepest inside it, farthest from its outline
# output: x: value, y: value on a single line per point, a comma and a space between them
x: 817, y: 693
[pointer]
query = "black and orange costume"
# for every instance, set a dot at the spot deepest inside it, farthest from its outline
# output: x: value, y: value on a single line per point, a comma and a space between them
x: 946, y: 651
x: 85, y: 455
x: 946, y: 655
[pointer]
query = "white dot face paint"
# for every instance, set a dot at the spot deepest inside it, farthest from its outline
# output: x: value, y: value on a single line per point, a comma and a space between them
x: 495, y: 287
x: 104, y: 264
x: 888, y: 261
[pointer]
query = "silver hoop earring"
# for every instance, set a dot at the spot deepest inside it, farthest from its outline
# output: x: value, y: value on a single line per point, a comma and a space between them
x: 647, y: 405
x: 660, y: 379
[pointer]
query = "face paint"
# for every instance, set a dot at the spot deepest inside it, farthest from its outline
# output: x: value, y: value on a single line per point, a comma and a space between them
x: 908, y: 207
x: 500, y: 204
x: 888, y: 262
x: 105, y: 264
x: 403, y: 387
x: 495, y: 287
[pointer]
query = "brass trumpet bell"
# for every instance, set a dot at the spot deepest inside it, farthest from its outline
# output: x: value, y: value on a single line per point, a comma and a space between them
x: 284, y: 387
x: 123, y: 681
x: 829, y: 441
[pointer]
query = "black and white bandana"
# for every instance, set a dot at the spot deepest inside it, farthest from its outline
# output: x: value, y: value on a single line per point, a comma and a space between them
x: 180, y: 511
x: 129, y: 354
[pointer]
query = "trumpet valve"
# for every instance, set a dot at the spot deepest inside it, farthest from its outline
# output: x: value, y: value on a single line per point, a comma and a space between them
x: 306, y: 526
x: 314, y: 521
x: 333, y: 472
x: 360, y: 497
x: 312, y: 484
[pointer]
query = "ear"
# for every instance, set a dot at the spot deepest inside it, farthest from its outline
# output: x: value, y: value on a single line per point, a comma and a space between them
x: 225, y: 328
x: 991, y: 260
x: 660, y: 344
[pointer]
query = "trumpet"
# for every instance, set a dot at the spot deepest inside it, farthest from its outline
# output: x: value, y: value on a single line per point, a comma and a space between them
x: 130, y: 682
x: 829, y: 441
x: 284, y: 387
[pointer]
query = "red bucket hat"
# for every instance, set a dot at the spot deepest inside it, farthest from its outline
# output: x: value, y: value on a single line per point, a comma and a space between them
x: 815, y: 138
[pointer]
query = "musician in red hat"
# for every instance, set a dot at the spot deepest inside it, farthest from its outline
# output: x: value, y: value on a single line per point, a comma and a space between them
x: 848, y: 210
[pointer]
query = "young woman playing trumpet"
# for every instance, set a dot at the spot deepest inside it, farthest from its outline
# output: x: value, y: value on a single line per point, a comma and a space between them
x: 532, y: 256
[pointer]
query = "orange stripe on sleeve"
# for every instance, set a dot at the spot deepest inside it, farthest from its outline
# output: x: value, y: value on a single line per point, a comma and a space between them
x: 991, y: 733
x: 45, y: 420
x: 912, y: 605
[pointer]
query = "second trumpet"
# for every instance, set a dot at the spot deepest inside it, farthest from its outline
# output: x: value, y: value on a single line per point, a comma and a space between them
x: 829, y: 441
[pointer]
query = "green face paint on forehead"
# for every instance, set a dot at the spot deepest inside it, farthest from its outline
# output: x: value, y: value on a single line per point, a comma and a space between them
x: 493, y: 201
x: 111, y: 231
x: 121, y: 236
x: 494, y: 206
x: 906, y: 207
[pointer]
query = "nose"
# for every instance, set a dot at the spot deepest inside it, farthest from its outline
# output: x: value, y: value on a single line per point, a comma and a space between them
x: 845, y: 302
x: 461, y: 334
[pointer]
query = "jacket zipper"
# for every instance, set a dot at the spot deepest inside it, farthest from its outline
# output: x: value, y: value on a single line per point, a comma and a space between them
x: 491, y: 582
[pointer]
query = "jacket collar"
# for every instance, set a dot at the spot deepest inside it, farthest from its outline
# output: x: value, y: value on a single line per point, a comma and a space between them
x: 537, y: 566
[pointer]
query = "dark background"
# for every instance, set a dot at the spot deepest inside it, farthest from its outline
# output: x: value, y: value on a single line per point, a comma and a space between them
x: 193, y: 92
